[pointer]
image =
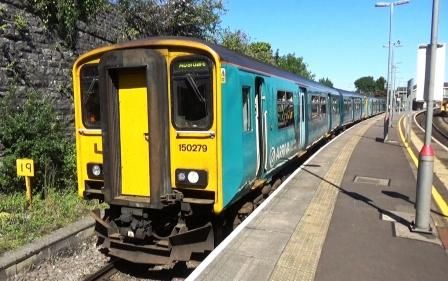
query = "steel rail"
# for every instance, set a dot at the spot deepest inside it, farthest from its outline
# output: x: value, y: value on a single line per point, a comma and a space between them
x: 419, y: 124
x: 104, y: 273
x: 440, y: 131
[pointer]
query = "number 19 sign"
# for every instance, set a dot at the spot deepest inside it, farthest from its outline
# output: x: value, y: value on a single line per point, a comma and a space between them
x: 25, y: 167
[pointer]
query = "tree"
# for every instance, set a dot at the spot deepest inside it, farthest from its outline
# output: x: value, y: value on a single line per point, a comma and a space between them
x: 261, y: 51
x: 194, y: 18
x: 365, y: 85
x: 380, y: 86
x: 240, y: 42
x: 237, y: 41
x: 294, y: 64
x: 326, y: 82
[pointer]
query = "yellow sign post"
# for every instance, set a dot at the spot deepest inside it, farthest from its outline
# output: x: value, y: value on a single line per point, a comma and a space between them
x: 25, y: 167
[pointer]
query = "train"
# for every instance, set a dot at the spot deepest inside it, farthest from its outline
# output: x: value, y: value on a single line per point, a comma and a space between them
x: 175, y: 133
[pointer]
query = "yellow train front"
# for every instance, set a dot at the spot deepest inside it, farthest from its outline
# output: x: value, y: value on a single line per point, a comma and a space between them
x: 146, y: 127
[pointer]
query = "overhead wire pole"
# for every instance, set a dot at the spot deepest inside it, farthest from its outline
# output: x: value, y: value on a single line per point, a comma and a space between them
x: 426, y: 156
x: 393, y: 74
x: 387, y: 120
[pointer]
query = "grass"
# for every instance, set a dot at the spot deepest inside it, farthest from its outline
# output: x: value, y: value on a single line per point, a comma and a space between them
x: 20, y: 225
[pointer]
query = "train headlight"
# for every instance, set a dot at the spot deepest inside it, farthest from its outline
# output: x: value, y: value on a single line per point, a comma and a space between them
x: 95, y: 170
x: 191, y: 178
x: 181, y: 176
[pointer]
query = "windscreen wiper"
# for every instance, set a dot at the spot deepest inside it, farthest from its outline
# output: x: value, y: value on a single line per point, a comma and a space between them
x: 90, y: 91
x: 195, y: 88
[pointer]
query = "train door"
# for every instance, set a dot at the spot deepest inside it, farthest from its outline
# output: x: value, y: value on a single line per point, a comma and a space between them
x: 250, y: 124
x: 259, y: 125
x: 302, y: 113
x: 133, y: 122
x: 352, y: 102
x: 329, y: 112
x: 134, y: 96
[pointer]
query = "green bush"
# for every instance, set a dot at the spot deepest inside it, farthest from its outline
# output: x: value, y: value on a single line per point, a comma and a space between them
x: 29, y: 128
x: 62, y: 15
x: 20, y: 22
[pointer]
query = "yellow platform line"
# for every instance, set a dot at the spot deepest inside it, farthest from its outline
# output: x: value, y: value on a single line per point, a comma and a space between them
x: 441, y: 203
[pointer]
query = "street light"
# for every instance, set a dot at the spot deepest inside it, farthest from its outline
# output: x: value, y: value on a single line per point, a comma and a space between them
x: 426, y: 156
x: 395, y: 91
x: 393, y: 68
x: 389, y: 64
x: 392, y: 78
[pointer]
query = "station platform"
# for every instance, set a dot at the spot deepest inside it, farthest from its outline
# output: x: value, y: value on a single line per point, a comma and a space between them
x: 343, y: 215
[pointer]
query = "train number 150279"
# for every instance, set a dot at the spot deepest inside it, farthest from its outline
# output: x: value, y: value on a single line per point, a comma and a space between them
x: 193, y: 147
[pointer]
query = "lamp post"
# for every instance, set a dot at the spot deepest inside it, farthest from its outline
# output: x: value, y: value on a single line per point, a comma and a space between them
x: 393, y: 71
x: 389, y: 64
x: 426, y: 156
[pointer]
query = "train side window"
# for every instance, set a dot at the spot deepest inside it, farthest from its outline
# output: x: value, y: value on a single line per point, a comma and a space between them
x: 247, y: 126
x: 90, y: 96
x: 285, y: 109
x: 335, y: 106
x: 323, y: 107
x: 314, y: 107
x: 347, y: 106
x: 192, y: 97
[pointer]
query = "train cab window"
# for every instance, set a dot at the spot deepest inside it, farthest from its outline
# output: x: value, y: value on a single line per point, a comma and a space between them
x: 191, y: 91
x: 90, y: 97
x: 285, y: 109
x: 247, y: 126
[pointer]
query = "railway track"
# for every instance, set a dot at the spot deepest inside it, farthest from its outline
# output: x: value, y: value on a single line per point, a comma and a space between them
x: 104, y: 273
x: 440, y: 125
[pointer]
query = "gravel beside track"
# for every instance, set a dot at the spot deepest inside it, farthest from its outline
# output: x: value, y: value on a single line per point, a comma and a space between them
x: 78, y: 264
x: 69, y: 265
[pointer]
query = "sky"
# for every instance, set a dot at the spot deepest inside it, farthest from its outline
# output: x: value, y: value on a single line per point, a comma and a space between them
x: 342, y: 40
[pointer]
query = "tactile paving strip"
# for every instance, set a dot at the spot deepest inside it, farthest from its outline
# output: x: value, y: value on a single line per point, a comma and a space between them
x: 301, y: 255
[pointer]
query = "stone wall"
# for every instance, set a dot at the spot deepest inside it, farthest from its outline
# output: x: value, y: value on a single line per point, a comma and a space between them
x: 35, y: 58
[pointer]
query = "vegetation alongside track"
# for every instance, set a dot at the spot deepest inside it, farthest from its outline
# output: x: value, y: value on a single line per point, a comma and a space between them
x: 20, y: 225
x: 30, y: 128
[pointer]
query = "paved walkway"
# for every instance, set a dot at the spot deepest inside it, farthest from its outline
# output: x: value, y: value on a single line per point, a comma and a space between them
x: 360, y: 246
x: 325, y: 223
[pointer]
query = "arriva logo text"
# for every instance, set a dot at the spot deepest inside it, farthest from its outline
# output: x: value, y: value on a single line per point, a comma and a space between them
x: 281, y: 152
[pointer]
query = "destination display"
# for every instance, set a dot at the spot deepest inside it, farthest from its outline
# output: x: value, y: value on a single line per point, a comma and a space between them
x: 190, y: 65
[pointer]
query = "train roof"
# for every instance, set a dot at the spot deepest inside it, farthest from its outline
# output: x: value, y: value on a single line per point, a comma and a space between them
x: 349, y: 93
x: 244, y: 61
x: 226, y: 55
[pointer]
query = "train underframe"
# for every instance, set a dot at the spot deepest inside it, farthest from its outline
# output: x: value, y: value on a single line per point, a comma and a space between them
x: 179, y: 231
